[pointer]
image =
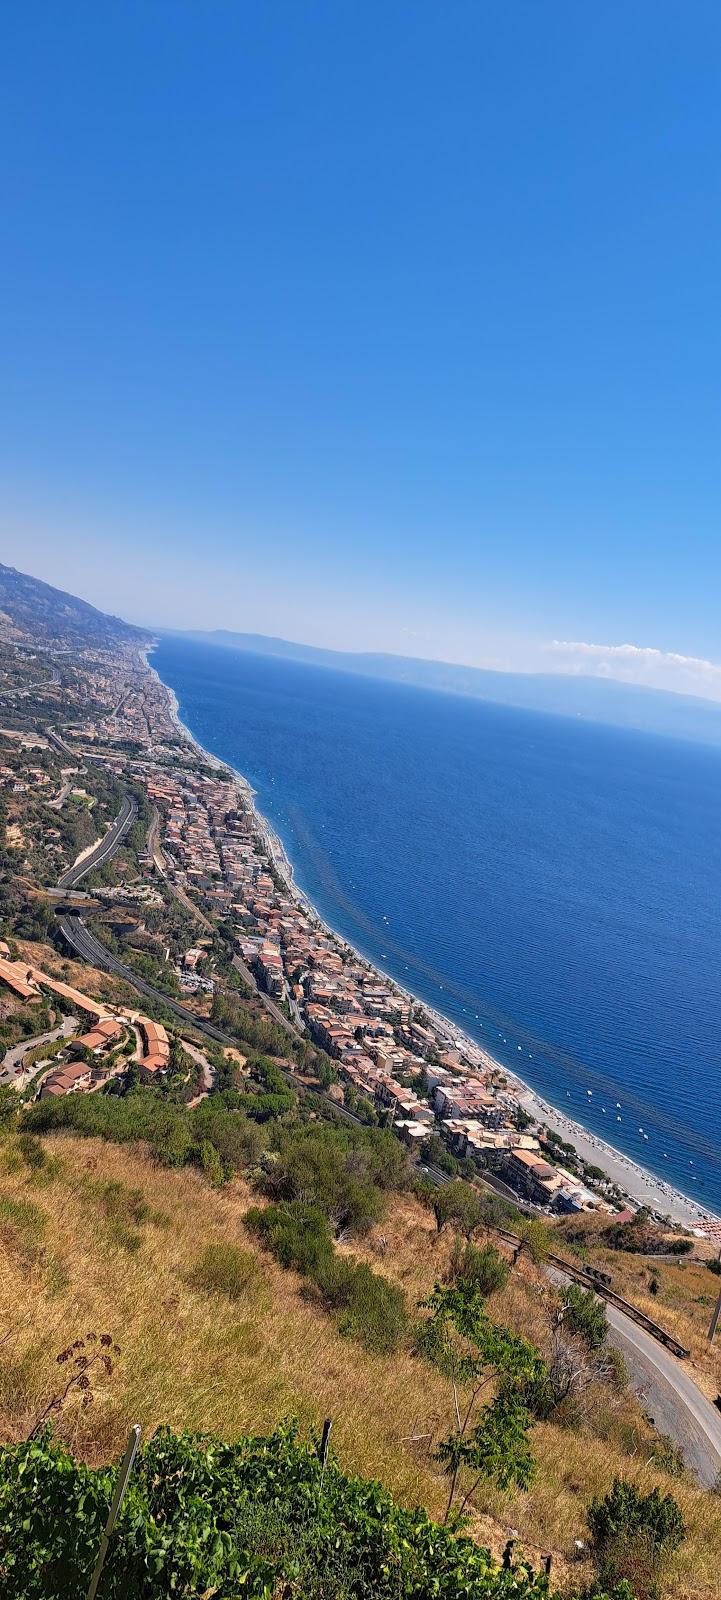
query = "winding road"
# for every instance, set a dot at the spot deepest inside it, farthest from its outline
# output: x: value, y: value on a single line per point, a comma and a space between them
x: 669, y: 1395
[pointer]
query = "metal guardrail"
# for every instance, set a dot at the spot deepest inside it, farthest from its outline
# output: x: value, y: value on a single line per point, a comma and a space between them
x: 589, y: 1278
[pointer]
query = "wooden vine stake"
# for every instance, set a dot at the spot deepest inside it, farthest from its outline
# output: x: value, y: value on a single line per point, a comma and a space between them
x: 115, y: 1505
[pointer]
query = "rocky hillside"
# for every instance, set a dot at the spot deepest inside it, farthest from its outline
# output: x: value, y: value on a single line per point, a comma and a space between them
x: 32, y: 611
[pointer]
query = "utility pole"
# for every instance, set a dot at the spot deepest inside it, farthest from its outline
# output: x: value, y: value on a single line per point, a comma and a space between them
x: 715, y: 1318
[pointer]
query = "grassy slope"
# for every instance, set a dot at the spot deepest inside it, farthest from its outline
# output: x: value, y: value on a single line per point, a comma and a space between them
x: 89, y: 980
x: 201, y: 1361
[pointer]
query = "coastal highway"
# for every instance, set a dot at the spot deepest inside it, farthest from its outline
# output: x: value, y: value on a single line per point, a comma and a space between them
x: 84, y: 943
x: 105, y: 848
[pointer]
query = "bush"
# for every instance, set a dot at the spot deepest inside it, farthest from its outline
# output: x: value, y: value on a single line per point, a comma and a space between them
x: 459, y: 1204
x: 297, y: 1234
x: 484, y: 1268
x: 585, y: 1315
x: 32, y: 1151
x: 370, y: 1308
x: 340, y: 1173
x: 210, y: 1162
x: 254, y: 1518
x: 634, y: 1535
x: 224, y: 1269
x: 176, y: 1136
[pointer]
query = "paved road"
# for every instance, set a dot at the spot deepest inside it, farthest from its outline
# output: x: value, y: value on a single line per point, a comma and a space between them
x: 669, y: 1395
x: 106, y: 847
x: 201, y: 1061
x: 61, y: 797
x: 90, y: 949
x: 13, y: 1057
x: 59, y: 744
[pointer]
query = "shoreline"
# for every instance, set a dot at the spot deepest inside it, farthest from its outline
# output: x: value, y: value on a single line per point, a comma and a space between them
x: 636, y: 1182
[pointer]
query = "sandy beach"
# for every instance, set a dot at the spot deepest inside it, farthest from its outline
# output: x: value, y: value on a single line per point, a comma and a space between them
x: 632, y: 1179
x: 635, y: 1182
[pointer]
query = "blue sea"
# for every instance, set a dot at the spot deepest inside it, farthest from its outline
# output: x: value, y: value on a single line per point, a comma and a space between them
x: 552, y: 885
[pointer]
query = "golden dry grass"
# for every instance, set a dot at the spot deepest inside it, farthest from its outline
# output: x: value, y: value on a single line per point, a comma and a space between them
x: 89, y: 980
x: 201, y: 1361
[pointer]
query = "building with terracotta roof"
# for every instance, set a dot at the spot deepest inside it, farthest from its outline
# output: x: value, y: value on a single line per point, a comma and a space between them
x: 156, y: 1049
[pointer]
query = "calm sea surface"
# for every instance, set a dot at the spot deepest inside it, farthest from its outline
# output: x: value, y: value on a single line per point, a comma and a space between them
x: 547, y: 883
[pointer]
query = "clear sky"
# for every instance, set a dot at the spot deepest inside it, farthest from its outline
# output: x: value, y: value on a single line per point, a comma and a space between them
x: 372, y: 323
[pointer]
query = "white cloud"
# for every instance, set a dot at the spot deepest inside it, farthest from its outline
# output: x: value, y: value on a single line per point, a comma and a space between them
x: 639, y: 664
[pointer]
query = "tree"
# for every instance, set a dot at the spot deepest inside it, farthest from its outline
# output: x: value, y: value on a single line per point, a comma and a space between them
x: 325, y: 1071
x: 535, y: 1238
x: 497, y: 1448
x: 634, y: 1536
x: 585, y: 1315
x: 435, y: 1153
x: 9, y: 1105
x: 460, y: 1204
x: 471, y: 1350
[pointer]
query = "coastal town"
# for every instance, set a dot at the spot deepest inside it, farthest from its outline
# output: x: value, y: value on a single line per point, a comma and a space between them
x: 207, y: 853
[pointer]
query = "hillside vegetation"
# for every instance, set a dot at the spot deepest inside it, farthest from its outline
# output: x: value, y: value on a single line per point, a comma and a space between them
x: 216, y: 1336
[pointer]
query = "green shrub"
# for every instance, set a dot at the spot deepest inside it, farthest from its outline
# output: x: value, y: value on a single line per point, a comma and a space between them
x: 32, y: 1151
x: 210, y: 1162
x: 372, y: 1309
x: 634, y: 1536
x: 369, y: 1307
x: 256, y: 1518
x: 338, y: 1171
x: 375, y: 1312
x: 485, y: 1268
x: 225, y: 1269
x: 585, y: 1315
x: 297, y: 1234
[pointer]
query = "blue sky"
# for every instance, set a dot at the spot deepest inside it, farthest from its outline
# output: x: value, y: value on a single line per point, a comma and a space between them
x: 372, y: 324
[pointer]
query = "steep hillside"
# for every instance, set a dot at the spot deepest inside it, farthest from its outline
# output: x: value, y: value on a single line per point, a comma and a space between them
x: 98, y: 1237
x: 33, y: 611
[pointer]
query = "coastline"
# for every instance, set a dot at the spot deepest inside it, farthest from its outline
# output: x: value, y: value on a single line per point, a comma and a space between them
x: 636, y: 1182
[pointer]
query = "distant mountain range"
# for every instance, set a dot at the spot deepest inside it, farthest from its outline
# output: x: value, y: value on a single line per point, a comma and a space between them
x: 33, y: 611
x: 595, y: 699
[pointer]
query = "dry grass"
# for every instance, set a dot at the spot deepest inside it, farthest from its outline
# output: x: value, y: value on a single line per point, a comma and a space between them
x: 687, y: 1293
x: 89, y: 980
x: 126, y: 1260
